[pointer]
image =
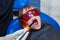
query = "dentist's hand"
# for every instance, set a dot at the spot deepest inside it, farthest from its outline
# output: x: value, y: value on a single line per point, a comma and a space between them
x: 24, y: 25
x: 13, y: 35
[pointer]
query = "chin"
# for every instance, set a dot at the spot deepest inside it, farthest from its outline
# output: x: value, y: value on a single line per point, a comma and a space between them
x: 36, y: 28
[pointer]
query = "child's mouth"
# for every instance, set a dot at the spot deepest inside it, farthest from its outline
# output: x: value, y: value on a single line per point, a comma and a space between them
x: 35, y: 22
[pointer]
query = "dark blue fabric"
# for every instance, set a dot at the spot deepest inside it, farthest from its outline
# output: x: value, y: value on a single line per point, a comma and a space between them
x: 47, y: 32
x: 6, y: 16
x: 14, y: 25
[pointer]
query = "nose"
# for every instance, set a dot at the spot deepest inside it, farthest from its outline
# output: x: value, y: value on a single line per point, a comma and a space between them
x: 31, y: 15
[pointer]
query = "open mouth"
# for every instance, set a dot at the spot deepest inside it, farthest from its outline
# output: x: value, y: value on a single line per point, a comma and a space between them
x: 34, y: 22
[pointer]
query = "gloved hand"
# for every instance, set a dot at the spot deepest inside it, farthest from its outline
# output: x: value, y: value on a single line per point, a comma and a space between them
x: 18, y: 35
x: 13, y: 35
x: 24, y: 25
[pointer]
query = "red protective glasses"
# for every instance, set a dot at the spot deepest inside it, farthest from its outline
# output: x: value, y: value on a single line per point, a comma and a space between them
x: 26, y: 16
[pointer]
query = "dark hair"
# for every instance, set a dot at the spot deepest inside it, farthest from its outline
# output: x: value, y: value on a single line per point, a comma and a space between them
x: 20, y: 14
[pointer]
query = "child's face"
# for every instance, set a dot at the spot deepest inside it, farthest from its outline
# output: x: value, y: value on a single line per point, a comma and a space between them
x: 32, y: 18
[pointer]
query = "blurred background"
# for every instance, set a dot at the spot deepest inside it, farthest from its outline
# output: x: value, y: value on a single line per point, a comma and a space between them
x: 51, y: 8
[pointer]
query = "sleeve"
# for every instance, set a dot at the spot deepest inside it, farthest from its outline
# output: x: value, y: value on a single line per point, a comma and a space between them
x: 18, y: 35
x: 13, y: 35
x: 24, y: 35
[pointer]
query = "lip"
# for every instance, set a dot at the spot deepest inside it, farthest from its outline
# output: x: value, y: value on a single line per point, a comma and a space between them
x: 36, y: 23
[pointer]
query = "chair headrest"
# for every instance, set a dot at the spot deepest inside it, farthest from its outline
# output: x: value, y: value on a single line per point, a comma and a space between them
x: 18, y: 4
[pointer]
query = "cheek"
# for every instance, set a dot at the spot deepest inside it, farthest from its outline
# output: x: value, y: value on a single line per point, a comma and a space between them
x: 29, y: 22
x: 38, y: 19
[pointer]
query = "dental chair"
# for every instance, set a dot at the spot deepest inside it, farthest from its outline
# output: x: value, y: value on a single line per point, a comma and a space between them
x: 15, y: 25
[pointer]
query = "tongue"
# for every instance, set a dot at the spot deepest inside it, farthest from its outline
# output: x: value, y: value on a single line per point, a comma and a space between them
x: 36, y: 23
